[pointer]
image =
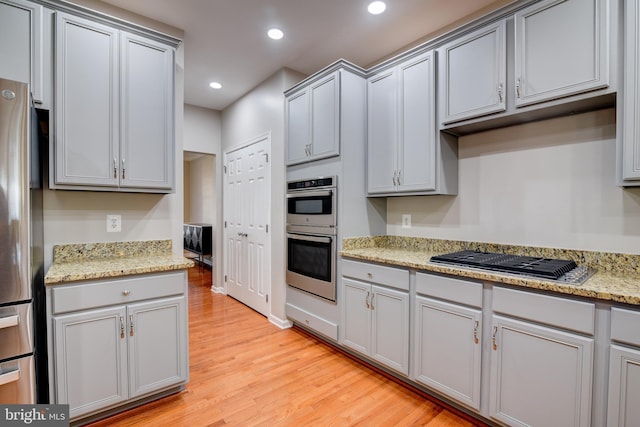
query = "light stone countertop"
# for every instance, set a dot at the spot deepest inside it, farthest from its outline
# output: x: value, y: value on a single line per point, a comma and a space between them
x: 89, y: 261
x: 619, y: 283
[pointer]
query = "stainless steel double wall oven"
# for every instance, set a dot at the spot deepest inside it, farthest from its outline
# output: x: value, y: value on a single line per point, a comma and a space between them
x: 311, y: 236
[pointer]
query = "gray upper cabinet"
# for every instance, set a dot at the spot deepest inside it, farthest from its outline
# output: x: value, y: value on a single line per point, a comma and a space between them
x: 147, y: 114
x: 21, y: 44
x: 86, y: 107
x: 629, y: 104
x: 313, y: 120
x: 561, y: 49
x: 401, y: 128
x: 472, y: 74
x: 114, y: 110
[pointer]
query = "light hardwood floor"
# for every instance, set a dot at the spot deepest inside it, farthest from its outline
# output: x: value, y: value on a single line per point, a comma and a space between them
x: 247, y: 372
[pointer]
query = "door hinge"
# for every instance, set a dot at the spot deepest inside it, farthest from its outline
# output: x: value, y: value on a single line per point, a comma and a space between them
x: 224, y: 168
x: 225, y: 224
x: 266, y: 155
x: 225, y: 278
x: 267, y: 297
x: 266, y: 228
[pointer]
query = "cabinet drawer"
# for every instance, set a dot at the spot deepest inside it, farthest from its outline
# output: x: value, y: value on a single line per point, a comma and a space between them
x: 387, y: 276
x: 564, y: 313
x: 448, y: 288
x: 312, y: 321
x: 117, y: 291
x: 624, y: 326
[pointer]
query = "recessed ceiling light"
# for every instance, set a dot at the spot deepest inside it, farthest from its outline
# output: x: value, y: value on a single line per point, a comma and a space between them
x: 215, y: 85
x: 275, y: 33
x: 376, y: 7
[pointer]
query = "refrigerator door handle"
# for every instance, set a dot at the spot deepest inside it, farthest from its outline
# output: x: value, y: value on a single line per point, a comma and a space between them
x: 9, y: 321
x: 10, y: 377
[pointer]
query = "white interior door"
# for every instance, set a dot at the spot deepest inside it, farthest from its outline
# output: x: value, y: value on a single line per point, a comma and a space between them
x: 247, y: 190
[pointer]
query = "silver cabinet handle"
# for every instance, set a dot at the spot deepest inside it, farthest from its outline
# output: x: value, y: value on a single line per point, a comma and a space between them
x: 399, y: 178
x: 493, y: 338
x: 10, y: 377
x: 518, y: 87
x: 121, y: 327
x: 395, y: 177
x: 126, y: 293
x: 123, y: 170
x: 500, y: 92
x: 115, y: 168
x: 371, y: 301
x: 243, y: 234
x: 131, y: 325
x: 475, y: 332
x: 366, y: 300
x: 9, y: 321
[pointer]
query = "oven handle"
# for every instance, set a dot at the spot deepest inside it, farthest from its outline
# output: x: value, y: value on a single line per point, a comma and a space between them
x: 314, y: 193
x: 308, y: 238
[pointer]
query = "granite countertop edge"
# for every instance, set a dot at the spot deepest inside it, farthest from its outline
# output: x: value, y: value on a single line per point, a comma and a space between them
x: 607, y: 286
x: 88, y: 261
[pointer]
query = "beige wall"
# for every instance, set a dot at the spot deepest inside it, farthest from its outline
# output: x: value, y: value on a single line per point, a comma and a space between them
x: 202, y: 130
x: 80, y: 216
x: 255, y: 114
x: 549, y: 183
x: 200, y: 199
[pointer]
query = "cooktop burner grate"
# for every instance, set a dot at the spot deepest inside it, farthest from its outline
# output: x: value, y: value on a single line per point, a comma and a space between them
x: 553, y: 269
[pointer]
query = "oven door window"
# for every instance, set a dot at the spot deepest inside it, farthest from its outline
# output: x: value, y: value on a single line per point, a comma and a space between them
x: 311, y: 259
x: 320, y: 205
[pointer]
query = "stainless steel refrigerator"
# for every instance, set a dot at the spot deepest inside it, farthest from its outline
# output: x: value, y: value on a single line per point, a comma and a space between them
x: 22, y: 334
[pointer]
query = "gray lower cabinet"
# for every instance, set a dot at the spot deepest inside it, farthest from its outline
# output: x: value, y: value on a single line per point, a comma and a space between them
x: 448, y: 337
x: 375, y: 317
x: 542, y: 353
x: 114, y: 121
x: 21, y: 50
x: 624, y: 369
x: 107, y: 352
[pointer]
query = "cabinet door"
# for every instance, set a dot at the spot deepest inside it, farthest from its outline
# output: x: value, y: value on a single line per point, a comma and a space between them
x: 382, y: 132
x: 630, y: 144
x: 539, y: 376
x: 21, y: 44
x: 448, y: 349
x: 86, y: 143
x: 473, y: 73
x: 416, y: 143
x: 561, y: 49
x: 325, y: 117
x: 390, y: 328
x: 356, y: 315
x: 146, y: 114
x: 157, y: 345
x: 91, y: 359
x: 297, y: 119
x: 624, y: 387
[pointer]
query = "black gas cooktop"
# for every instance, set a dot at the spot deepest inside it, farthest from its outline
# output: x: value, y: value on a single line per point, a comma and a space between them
x: 545, y: 268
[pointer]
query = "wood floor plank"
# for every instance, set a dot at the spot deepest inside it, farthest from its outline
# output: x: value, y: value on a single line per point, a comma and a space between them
x: 247, y: 372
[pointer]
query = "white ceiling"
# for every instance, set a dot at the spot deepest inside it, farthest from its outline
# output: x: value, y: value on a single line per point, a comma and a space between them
x: 225, y: 40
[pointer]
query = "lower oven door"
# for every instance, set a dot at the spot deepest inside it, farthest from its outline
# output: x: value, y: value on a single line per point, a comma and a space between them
x: 311, y: 264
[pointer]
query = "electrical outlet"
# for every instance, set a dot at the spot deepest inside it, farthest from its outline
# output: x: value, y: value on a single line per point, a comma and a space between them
x: 114, y: 223
x: 406, y: 220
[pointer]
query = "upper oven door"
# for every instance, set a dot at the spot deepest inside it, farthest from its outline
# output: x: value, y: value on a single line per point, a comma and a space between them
x: 316, y: 208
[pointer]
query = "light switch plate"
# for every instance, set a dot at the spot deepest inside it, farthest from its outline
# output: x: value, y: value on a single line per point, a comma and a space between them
x: 114, y: 223
x: 406, y: 220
